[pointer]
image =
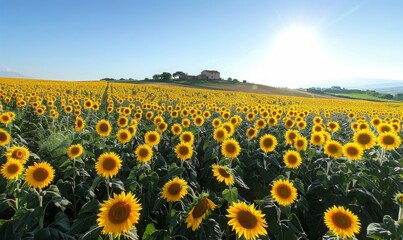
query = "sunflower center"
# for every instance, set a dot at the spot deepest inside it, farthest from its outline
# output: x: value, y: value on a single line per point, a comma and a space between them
x: 75, y: 150
x: 284, y: 191
x: 385, y: 129
x: 292, y: 159
x: 124, y: 136
x: 175, y: 188
x: 12, y: 169
x: 300, y: 143
x: 230, y: 148
x: 292, y: 136
x: 268, y: 142
x: 109, y: 164
x: 364, y: 139
x: 143, y: 152
x: 184, y: 150
x: 388, y: 140
x: 223, y: 173
x: 18, y: 154
x: 220, y: 134
x: 198, y: 120
x: 119, y: 212
x: 104, y: 127
x: 352, y: 151
x: 200, y: 208
x: 122, y: 121
x: 152, y: 138
x: 246, y: 219
x: 333, y: 148
x: 79, y: 123
x: 251, y: 132
x: 341, y: 220
x: 3, y: 136
x: 40, y: 174
x: 317, y: 138
x: 332, y: 125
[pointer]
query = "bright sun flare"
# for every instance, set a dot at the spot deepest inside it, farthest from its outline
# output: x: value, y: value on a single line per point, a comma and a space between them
x: 296, y: 57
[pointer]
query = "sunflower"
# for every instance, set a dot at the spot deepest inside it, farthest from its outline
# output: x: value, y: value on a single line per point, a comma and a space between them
x: 17, y: 153
x: 300, y: 143
x: 333, y: 126
x: 175, y: 189
x: 251, y: 133
x: 301, y: 125
x: 365, y: 138
x: 268, y: 143
x: 144, y: 153
x: 187, y: 137
x: 216, y: 122
x: 152, y: 138
x: 79, y: 124
x: 39, y: 175
x: 342, y: 222
x: 284, y: 192
x: 74, y: 151
x: 290, y: 135
x: 198, y: 212
x: 5, y: 118
x: 198, y: 121
x: 384, y: 127
x: 352, y: 151
x: 185, y: 122
x: 12, y: 169
x: 272, y: 121
x: 223, y: 174
x: 124, y: 136
x: 122, y: 121
x: 292, y: 159
x: 119, y: 214
x: 229, y: 128
x: 260, y: 123
x: 333, y: 149
x: 176, y: 129
x: 389, y: 140
x: 4, y: 137
x: 184, y: 151
x: 162, y: 126
x: 103, y: 128
x: 108, y: 164
x: 132, y: 129
x: 317, y: 138
x: 230, y: 148
x: 246, y: 220
x: 220, y: 134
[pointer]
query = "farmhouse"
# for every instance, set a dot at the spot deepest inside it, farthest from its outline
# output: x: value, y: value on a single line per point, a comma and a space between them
x: 205, y: 74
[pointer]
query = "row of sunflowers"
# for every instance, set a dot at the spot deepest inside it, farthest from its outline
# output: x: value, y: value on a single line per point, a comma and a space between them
x: 107, y: 160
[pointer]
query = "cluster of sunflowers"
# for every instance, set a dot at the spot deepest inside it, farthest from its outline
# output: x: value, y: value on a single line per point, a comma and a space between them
x: 159, y: 162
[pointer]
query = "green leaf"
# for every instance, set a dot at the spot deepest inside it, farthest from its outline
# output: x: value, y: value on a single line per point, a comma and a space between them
x: 230, y: 195
x: 91, y: 234
x: 61, y: 222
x: 150, y: 229
x: 86, y: 217
x: 51, y: 233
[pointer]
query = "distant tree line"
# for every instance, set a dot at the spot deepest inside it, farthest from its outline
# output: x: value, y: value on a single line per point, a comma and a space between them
x: 339, y: 90
x: 167, y: 77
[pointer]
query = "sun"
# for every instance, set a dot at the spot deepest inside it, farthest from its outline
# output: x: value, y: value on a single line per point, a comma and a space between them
x: 296, y: 57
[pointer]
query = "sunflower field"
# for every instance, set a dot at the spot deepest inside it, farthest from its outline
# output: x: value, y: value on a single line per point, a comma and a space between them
x: 107, y: 160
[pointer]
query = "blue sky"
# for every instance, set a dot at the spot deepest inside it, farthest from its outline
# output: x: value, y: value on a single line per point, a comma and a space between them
x: 280, y: 43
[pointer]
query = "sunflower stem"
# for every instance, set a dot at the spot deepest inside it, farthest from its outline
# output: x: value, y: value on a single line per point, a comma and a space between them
x: 381, y: 157
x: 107, y: 188
x: 400, y: 213
x: 40, y: 198
x: 74, y: 188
